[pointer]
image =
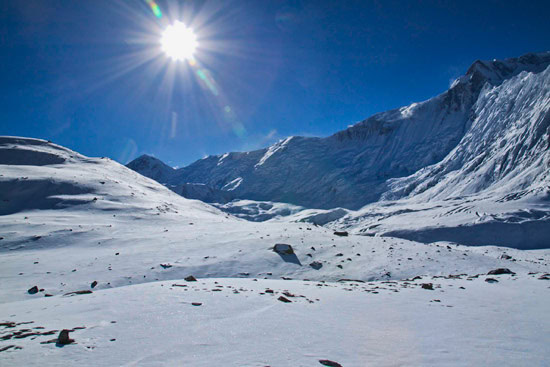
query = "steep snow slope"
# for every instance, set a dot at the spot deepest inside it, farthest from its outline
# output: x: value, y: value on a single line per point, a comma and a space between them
x: 493, y: 188
x: 354, y: 167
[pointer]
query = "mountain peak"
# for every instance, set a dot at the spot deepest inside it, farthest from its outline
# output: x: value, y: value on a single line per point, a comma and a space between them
x: 496, y: 71
x: 151, y: 167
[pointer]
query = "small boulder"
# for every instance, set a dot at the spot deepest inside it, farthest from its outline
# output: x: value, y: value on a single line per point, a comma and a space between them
x: 491, y: 280
x: 429, y: 286
x: 284, y: 299
x: 327, y: 362
x: 341, y: 233
x: 283, y: 249
x: 316, y: 265
x: 63, y: 337
x: 94, y: 283
x: 505, y: 257
x: 500, y: 271
x: 190, y: 278
x: 33, y: 290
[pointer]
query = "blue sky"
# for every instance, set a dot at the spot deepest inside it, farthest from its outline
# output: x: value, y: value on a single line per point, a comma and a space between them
x: 89, y: 74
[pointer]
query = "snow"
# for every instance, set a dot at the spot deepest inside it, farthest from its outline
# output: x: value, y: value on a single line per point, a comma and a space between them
x: 233, y: 184
x: 484, y: 324
x: 220, y: 161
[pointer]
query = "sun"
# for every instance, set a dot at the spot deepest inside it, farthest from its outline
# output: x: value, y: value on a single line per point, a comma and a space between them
x: 179, y: 42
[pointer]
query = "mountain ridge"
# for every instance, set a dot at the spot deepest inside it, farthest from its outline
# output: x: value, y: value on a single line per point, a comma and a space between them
x: 355, y: 166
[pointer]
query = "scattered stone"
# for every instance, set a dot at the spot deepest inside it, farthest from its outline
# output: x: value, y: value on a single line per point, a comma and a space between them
x: 544, y: 277
x: 118, y: 253
x: 429, y: 286
x: 341, y: 233
x: 316, y: 265
x: 339, y: 266
x: 351, y: 280
x: 15, y: 347
x: 94, y: 283
x: 491, y: 280
x: 269, y: 291
x: 78, y: 292
x: 284, y: 299
x: 196, y: 303
x: 327, y: 362
x: 500, y: 271
x: 284, y: 249
x: 505, y: 257
x: 190, y: 278
x: 165, y: 266
x: 113, y: 340
x: 339, y: 254
x: 33, y: 290
x: 63, y: 337
x: 48, y: 295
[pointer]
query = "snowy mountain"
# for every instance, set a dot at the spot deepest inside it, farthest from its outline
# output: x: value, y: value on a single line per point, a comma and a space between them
x: 375, y: 158
x: 493, y: 187
x: 152, y: 167
x: 90, y: 246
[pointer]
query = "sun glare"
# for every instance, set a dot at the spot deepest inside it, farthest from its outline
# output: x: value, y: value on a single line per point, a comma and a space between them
x: 179, y: 42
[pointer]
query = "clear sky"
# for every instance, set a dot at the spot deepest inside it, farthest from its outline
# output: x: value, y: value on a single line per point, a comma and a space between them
x: 90, y: 74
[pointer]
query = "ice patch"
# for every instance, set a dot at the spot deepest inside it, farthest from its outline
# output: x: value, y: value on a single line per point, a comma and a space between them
x: 233, y: 184
x: 272, y: 150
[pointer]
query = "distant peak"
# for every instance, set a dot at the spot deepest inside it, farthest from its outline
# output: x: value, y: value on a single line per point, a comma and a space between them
x: 146, y: 160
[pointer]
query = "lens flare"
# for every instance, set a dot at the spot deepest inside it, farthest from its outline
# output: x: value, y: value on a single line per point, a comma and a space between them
x: 155, y: 8
x: 179, y: 42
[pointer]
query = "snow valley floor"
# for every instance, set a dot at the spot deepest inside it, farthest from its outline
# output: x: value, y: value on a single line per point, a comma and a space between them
x: 142, y: 276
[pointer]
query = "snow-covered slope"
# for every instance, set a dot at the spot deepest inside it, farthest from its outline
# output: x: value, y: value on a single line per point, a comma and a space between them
x: 36, y: 174
x: 364, y: 163
x: 124, y: 243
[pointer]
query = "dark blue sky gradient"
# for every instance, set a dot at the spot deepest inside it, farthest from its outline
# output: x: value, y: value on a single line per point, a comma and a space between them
x: 76, y: 72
